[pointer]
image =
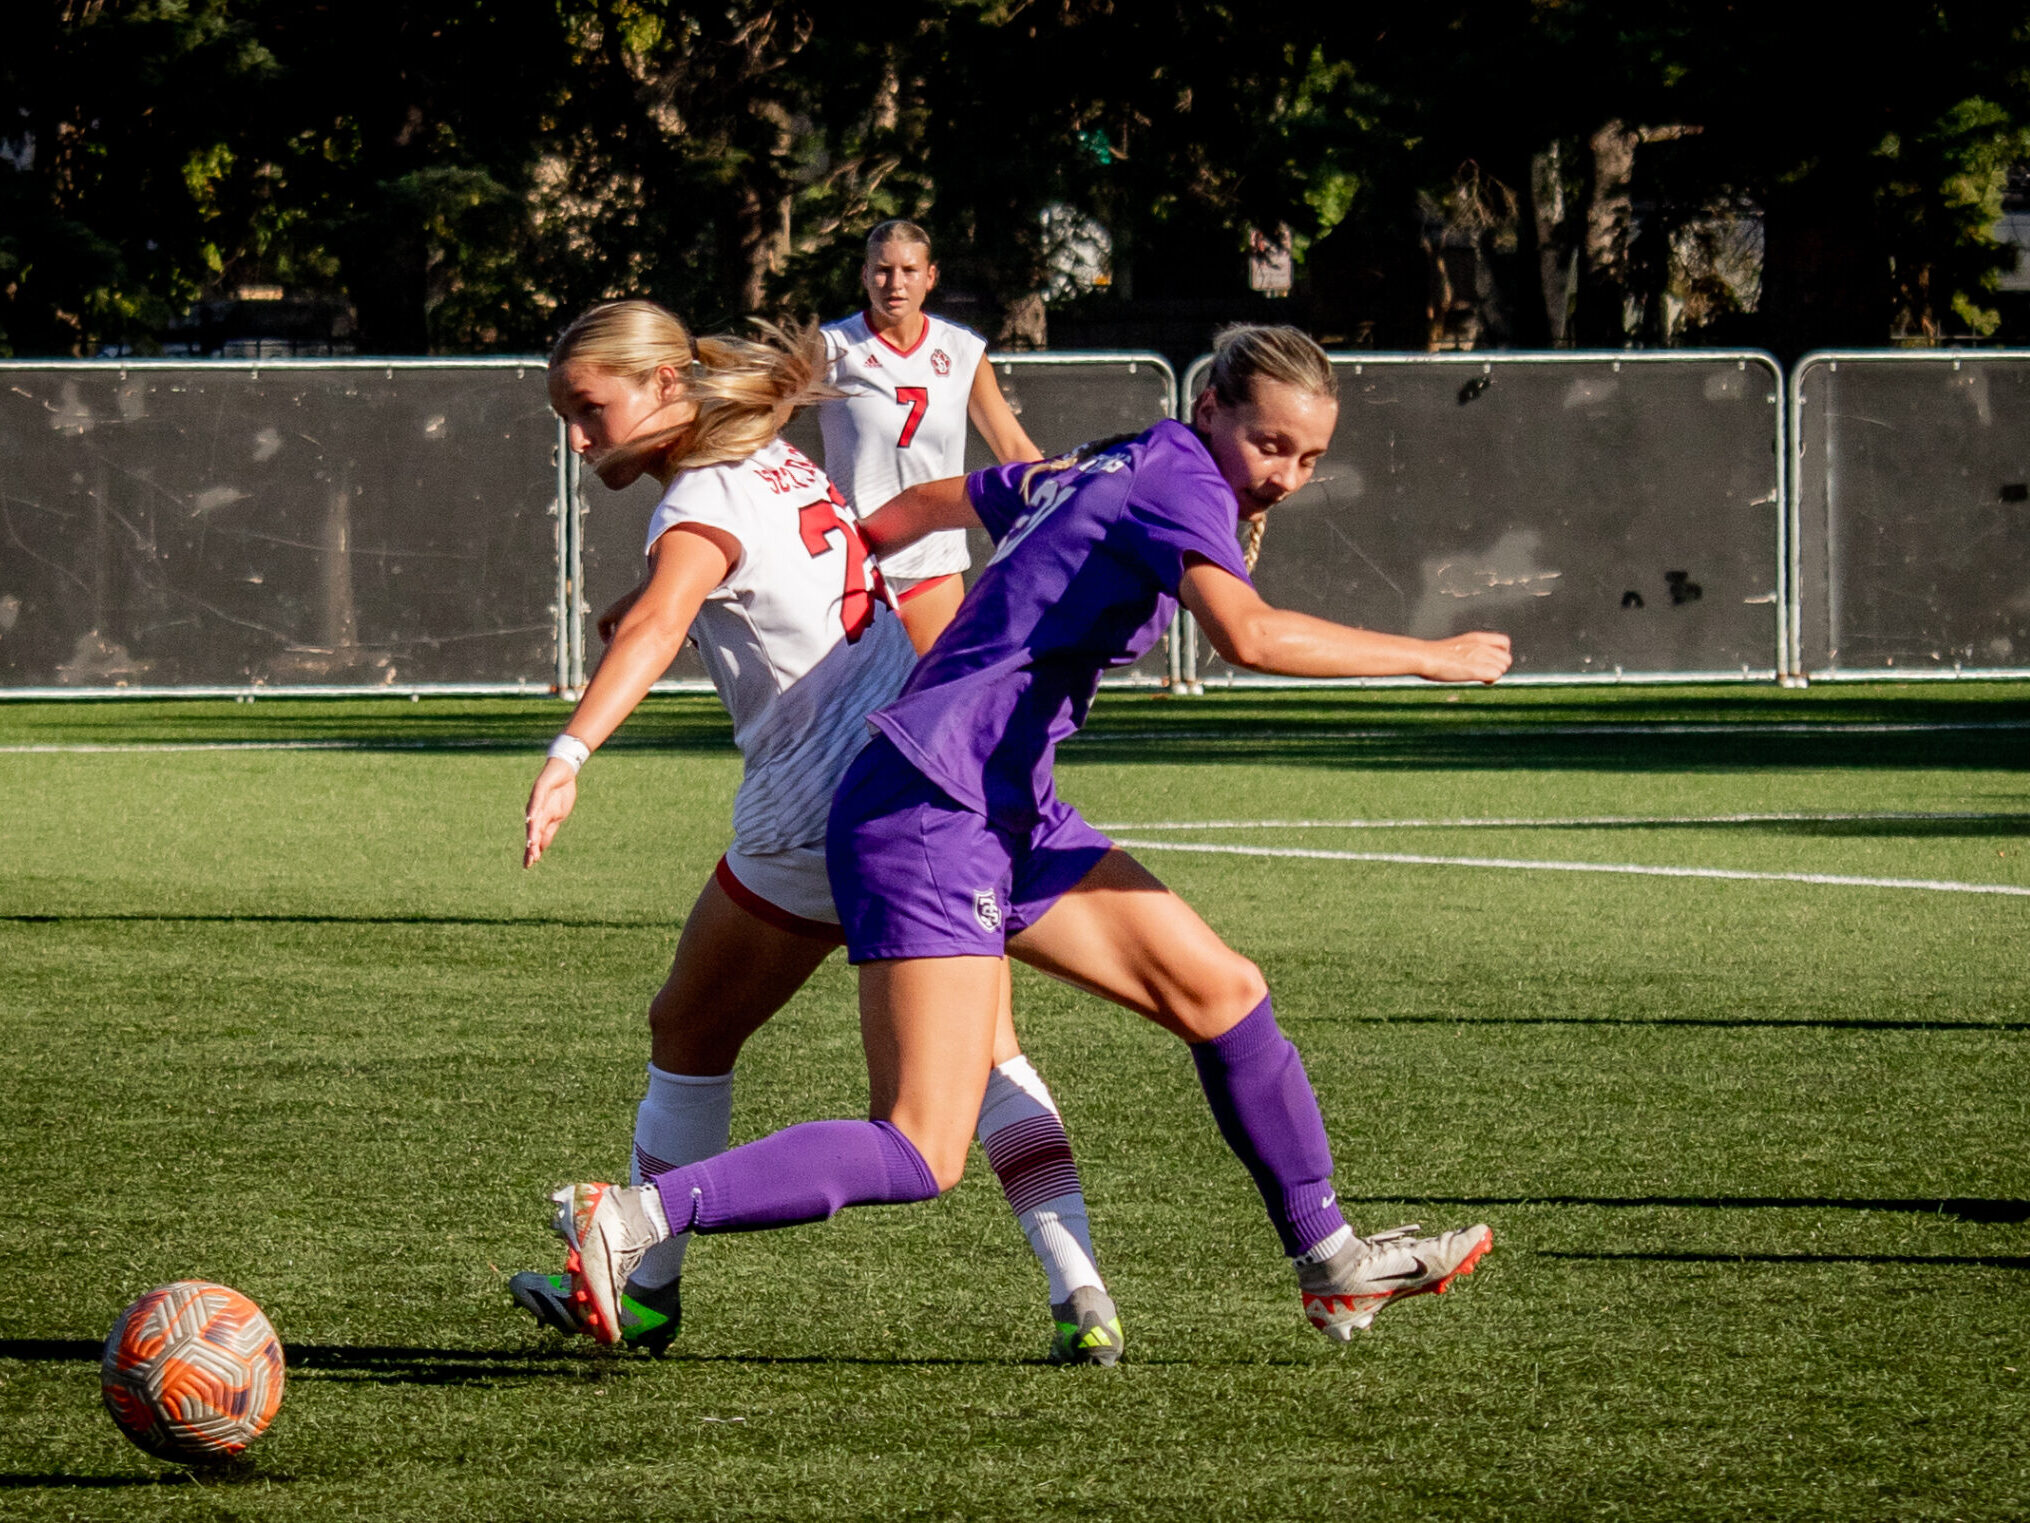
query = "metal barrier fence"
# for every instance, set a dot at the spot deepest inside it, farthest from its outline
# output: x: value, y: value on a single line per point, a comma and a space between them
x: 1618, y: 514
x: 1061, y: 399
x: 316, y: 526
x: 343, y: 526
x: 1911, y: 514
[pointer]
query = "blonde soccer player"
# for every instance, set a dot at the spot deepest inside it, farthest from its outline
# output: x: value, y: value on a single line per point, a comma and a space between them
x: 754, y: 557
x: 950, y: 849
x: 909, y: 382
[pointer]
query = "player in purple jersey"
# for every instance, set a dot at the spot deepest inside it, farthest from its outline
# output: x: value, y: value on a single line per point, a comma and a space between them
x: 948, y: 848
x: 751, y: 555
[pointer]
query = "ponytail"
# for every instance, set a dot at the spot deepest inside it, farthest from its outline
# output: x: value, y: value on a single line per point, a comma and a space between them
x: 746, y: 390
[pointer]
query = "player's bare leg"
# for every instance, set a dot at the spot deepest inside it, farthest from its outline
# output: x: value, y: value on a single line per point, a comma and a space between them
x: 1124, y: 936
x: 731, y: 973
x: 928, y: 608
x: 928, y: 1025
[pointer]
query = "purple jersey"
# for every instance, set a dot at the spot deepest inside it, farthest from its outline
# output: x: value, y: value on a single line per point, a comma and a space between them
x: 1084, y: 578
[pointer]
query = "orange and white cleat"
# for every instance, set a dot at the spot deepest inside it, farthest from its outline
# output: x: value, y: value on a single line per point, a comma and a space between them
x: 1348, y: 1290
x: 607, y: 1229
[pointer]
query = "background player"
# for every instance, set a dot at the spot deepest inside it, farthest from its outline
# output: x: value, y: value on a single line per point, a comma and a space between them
x: 910, y: 381
x: 751, y: 555
x: 948, y: 846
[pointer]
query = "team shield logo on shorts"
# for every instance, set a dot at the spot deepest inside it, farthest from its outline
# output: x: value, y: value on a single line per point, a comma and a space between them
x: 987, y: 910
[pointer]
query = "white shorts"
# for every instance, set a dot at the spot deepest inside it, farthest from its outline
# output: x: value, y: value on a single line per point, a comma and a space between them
x: 787, y: 889
x: 938, y: 554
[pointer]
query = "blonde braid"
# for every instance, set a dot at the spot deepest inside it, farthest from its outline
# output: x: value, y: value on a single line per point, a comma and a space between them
x: 1258, y: 526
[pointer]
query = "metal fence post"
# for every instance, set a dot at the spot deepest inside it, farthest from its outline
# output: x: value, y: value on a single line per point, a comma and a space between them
x: 567, y: 539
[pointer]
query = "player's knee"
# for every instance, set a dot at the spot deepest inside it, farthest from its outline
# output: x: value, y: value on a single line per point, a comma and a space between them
x: 1221, y: 995
x: 683, y: 1038
x: 666, y: 1013
x: 943, y: 1156
x: 947, y: 1165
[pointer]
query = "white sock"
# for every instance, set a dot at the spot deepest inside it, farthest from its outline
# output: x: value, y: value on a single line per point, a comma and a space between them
x: 1319, y: 1252
x: 1025, y: 1142
x: 684, y: 1118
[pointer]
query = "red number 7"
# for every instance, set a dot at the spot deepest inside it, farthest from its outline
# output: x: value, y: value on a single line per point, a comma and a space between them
x: 815, y: 521
x: 916, y: 399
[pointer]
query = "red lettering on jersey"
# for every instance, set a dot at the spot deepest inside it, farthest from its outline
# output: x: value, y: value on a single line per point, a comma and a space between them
x: 793, y: 475
x: 940, y: 362
x: 917, y: 400
x: 815, y: 523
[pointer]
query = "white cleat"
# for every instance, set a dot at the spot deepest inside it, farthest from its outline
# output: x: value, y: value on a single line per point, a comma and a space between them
x: 1348, y: 1290
x: 608, y: 1230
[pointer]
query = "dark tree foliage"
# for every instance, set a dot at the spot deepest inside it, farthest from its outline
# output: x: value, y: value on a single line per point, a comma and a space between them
x: 460, y: 175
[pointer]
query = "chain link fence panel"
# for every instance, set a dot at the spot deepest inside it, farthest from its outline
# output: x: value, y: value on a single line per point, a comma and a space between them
x: 308, y: 527
x: 1618, y: 515
x: 1912, y: 514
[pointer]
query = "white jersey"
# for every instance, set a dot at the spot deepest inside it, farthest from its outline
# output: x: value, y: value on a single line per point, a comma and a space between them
x: 901, y: 422
x: 799, y: 645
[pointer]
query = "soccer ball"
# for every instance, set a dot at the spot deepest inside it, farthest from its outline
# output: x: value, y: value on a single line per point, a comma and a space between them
x: 192, y: 1372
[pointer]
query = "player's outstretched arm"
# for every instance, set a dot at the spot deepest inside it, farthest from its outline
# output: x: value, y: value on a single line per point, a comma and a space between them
x: 684, y: 566
x: 909, y: 515
x: 1251, y: 634
x: 995, y: 419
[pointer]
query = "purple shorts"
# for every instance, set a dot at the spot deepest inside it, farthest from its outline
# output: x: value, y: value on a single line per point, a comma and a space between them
x: 917, y: 874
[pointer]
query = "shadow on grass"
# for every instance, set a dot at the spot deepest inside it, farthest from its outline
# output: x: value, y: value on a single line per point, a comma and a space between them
x: 1960, y: 1208
x: 402, y: 1364
x: 389, y: 1363
x: 1583, y: 729
x: 1925, y: 1260
x: 204, y: 1475
x: 56, y: 1480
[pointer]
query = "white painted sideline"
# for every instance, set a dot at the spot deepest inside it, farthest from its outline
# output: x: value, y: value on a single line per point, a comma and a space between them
x: 1839, y: 880
x: 1634, y: 727
x: 1781, y: 817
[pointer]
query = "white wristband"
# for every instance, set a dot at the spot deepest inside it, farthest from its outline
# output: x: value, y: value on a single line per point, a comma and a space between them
x: 571, y: 751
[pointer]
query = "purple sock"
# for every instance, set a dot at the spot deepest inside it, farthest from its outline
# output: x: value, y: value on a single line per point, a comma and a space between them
x: 1269, y: 1116
x: 803, y: 1173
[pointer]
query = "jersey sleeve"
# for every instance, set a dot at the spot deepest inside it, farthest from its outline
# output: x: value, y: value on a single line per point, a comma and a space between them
x: 996, y: 495
x: 972, y: 348
x: 707, y: 497
x: 1180, y: 507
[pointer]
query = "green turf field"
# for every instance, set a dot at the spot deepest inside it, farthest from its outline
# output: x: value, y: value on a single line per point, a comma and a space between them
x: 1756, y: 1151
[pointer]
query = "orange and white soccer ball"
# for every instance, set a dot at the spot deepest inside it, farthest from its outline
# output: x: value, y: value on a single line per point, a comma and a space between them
x: 192, y: 1371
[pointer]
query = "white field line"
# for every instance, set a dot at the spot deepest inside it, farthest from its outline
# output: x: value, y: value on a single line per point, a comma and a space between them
x: 1575, y: 821
x: 1634, y: 869
x: 1638, y: 727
